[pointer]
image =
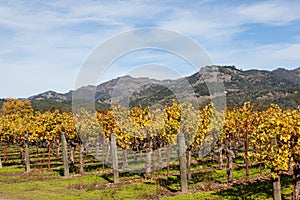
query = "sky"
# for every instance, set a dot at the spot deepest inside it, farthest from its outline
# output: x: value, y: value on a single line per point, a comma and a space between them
x: 44, y: 44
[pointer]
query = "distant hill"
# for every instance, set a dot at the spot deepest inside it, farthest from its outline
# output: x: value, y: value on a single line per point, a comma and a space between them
x: 261, y: 87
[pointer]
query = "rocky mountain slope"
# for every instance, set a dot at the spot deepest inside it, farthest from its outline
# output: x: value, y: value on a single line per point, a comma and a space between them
x: 280, y: 86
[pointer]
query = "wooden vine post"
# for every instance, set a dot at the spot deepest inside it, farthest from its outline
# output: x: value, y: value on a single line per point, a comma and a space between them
x: 182, y: 161
x: 168, y: 159
x: 27, y: 162
x: 65, y: 154
x: 114, y: 151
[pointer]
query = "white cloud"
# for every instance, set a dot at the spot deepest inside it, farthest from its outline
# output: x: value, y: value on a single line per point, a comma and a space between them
x: 270, y: 12
x: 289, y: 52
x: 267, y: 57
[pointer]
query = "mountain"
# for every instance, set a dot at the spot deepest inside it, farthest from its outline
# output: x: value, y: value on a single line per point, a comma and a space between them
x: 52, y: 95
x: 280, y: 86
x: 261, y: 87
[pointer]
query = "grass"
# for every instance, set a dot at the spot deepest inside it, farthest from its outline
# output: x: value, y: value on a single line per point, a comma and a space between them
x: 260, y: 190
x: 49, y: 185
x: 16, y: 184
x: 197, y: 195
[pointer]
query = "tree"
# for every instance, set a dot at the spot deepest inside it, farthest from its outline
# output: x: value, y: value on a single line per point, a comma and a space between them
x: 231, y: 139
x: 271, y: 138
x: 88, y: 129
x: 290, y: 136
x: 6, y: 135
x: 20, y: 116
x: 45, y: 130
x: 245, y: 125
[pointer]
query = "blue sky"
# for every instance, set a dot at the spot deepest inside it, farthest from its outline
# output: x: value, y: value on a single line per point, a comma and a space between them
x: 44, y: 43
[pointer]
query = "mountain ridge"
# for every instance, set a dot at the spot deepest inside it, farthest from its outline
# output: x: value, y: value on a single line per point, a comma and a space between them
x: 262, y: 87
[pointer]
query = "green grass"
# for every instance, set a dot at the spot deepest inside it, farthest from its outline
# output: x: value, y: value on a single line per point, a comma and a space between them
x: 49, y: 185
x: 12, y: 169
x: 198, y: 195
x: 16, y: 184
x: 261, y: 190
